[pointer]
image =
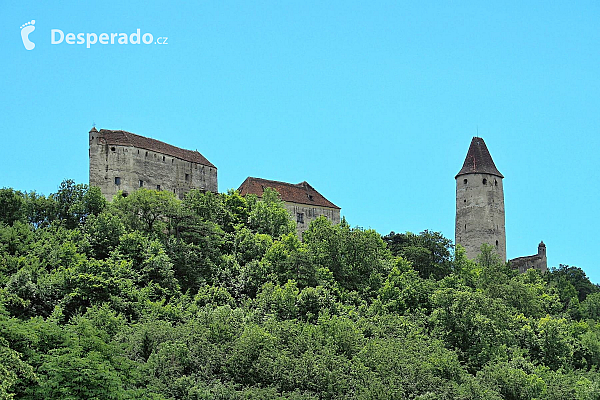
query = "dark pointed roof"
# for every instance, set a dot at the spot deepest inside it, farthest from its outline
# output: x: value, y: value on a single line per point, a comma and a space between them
x: 479, y: 160
x: 124, y: 138
x: 301, y: 193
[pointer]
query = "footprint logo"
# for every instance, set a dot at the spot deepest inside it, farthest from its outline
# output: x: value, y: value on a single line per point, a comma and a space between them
x: 26, y: 29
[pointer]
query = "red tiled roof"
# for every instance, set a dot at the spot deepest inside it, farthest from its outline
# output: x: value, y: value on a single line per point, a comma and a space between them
x: 301, y: 193
x: 123, y: 138
x: 479, y: 160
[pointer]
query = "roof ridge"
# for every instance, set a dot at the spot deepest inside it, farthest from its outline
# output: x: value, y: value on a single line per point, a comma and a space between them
x: 122, y: 137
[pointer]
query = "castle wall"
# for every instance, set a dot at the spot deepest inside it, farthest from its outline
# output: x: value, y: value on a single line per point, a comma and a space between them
x: 524, y: 263
x: 480, y: 213
x: 127, y: 168
x: 537, y: 261
x: 309, y: 214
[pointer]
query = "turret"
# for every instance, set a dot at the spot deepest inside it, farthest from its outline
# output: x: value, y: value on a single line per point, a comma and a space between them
x: 480, y: 202
x: 542, y: 249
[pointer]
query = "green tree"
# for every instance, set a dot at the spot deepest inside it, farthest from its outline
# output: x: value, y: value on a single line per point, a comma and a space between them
x: 12, y: 206
x: 269, y: 215
x: 103, y: 233
x: 429, y: 252
x: 147, y: 210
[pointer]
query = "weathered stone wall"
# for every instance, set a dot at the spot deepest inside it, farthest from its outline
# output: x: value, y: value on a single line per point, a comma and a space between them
x: 303, y: 214
x: 537, y: 261
x: 137, y: 168
x: 480, y: 213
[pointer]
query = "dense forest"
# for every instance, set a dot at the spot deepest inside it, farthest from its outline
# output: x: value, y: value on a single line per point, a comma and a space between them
x: 215, y: 297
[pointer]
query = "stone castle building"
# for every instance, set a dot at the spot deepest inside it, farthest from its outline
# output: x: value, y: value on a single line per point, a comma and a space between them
x: 480, y: 202
x: 537, y: 261
x: 480, y: 216
x: 302, y: 201
x: 124, y: 161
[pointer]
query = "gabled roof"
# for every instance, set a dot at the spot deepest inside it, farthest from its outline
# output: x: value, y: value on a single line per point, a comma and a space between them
x: 301, y: 193
x: 124, y: 138
x: 479, y: 160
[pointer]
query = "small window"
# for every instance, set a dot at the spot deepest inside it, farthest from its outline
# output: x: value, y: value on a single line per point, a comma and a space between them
x: 310, y: 197
x: 141, y: 183
x: 146, y: 154
x: 112, y: 149
x: 300, y: 218
x: 495, y: 182
x: 158, y: 187
x: 138, y: 152
x: 465, y: 181
x: 163, y: 158
x: 484, y: 181
x: 465, y: 200
x: 187, y: 177
x: 496, y: 243
x: 117, y: 180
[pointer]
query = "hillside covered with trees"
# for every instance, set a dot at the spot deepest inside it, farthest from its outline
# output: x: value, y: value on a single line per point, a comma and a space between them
x: 215, y: 297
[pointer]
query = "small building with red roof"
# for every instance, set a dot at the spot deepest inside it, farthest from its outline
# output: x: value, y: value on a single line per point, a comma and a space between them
x: 303, y: 202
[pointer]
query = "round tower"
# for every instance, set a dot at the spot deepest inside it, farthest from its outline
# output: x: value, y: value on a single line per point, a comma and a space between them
x: 480, y: 202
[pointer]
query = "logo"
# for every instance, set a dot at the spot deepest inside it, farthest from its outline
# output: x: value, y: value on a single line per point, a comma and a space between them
x: 26, y: 29
x: 57, y: 36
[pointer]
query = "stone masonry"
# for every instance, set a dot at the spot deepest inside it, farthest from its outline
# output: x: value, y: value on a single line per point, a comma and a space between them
x: 480, y: 202
x: 480, y: 209
x: 124, y: 161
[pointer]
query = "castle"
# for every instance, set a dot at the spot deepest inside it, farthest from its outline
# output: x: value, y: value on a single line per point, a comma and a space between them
x: 123, y: 161
x: 480, y: 209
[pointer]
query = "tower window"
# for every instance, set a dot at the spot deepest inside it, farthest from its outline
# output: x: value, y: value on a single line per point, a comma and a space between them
x: 496, y: 243
x: 141, y: 183
x: 495, y: 182
x: 146, y: 154
x: 484, y: 181
x: 465, y: 200
x: 158, y: 187
x: 117, y: 180
x: 187, y: 177
x: 112, y: 149
x: 163, y: 158
x: 465, y: 181
x: 300, y: 218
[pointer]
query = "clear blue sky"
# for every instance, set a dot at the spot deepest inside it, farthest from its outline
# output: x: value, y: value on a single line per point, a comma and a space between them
x: 372, y: 103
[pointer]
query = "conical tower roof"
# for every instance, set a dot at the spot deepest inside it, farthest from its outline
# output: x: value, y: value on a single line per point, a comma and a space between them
x: 478, y: 160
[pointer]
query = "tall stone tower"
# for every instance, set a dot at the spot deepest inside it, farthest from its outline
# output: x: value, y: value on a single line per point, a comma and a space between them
x: 480, y: 202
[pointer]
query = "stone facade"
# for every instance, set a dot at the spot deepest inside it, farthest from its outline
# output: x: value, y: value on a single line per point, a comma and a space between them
x: 302, y: 201
x: 537, y: 261
x: 123, y: 161
x: 480, y: 209
x: 480, y: 202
